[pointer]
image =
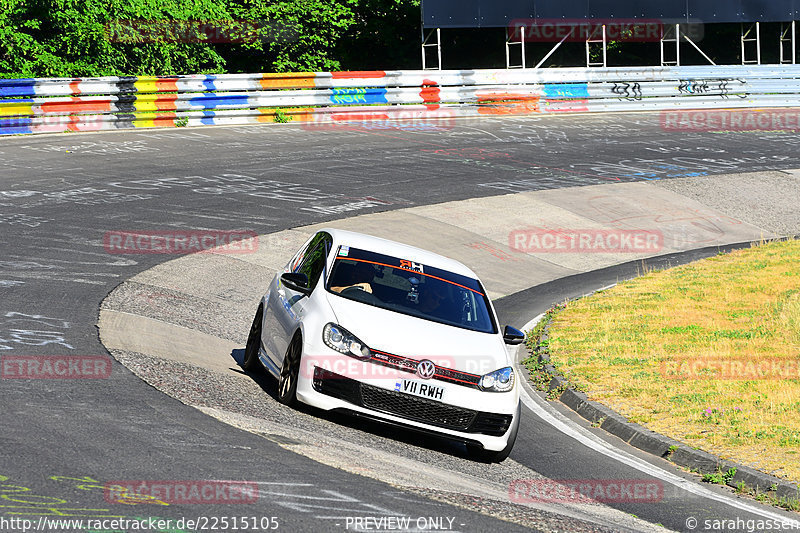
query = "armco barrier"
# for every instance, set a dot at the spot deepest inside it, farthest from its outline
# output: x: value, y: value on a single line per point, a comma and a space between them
x: 89, y: 104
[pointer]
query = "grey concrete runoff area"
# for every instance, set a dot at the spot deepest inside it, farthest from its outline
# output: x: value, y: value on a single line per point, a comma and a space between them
x: 473, y: 190
x: 202, y: 323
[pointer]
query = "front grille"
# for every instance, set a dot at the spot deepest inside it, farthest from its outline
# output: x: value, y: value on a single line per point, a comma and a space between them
x: 419, y: 409
x: 409, y: 407
x: 443, y: 373
x: 337, y: 386
x: 491, y: 424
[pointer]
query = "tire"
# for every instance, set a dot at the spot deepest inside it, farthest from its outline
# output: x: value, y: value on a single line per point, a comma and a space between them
x: 251, y: 361
x: 287, y: 382
x: 491, y: 456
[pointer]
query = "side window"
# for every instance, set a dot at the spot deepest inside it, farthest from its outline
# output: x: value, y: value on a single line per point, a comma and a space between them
x: 314, y: 259
x: 297, y: 260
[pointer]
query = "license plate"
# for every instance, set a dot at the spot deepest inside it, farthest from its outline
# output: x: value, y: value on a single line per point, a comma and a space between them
x: 417, y: 388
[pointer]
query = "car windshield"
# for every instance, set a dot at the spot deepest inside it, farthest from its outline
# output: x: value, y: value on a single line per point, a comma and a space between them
x: 410, y: 288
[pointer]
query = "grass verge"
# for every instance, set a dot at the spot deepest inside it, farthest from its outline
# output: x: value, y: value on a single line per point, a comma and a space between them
x: 706, y: 353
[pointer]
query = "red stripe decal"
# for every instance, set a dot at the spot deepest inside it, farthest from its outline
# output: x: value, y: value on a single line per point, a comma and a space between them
x: 358, y: 74
x: 416, y: 272
x: 430, y: 91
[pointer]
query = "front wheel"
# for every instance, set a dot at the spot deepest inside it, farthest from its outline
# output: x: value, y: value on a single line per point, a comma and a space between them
x: 253, y: 346
x: 287, y: 383
x: 491, y: 456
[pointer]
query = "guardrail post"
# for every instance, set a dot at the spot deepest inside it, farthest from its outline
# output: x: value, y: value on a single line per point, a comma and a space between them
x: 522, y: 45
x: 591, y: 39
x: 521, y: 30
x: 667, y: 37
x: 788, y: 36
x: 437, y: 44
x: 747, y: 39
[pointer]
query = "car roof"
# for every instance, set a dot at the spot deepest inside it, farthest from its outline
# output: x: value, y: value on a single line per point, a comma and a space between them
x: 399, y: 250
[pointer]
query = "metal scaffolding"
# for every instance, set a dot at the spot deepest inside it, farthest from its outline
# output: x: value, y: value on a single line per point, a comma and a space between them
x: 609, y: 29
x: 671, y: 35
x: 596, y: 44
x: 520, y: 43
x: 788, y: 37
x: 426, y: 45
x: 602, y: 40
x: 552, y: 51
x: 675, y: 34
x: 747, y: 38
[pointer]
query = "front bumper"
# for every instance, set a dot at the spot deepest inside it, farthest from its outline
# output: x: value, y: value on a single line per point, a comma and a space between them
x: 328, y: 390
x: 413, y: 408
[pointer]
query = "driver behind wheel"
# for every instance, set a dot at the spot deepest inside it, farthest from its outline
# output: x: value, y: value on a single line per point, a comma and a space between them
x: 436, y: 301
x: 357, y: 275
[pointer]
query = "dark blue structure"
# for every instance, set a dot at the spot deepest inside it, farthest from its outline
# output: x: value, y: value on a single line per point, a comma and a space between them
x: 499, y: 13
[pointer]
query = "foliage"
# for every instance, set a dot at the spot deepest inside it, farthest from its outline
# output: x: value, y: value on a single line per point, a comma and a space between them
x: 281, y: 117
x: 68, y: 38
x: 18, y: 47
x: 719, y: 477
x: 295, y: 35
x: 53, y: 38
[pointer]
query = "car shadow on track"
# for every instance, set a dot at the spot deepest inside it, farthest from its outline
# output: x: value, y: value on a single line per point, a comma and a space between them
x: 363, y: 425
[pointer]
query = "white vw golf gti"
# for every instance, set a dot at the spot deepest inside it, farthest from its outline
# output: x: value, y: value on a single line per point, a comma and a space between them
x: 380, y: 329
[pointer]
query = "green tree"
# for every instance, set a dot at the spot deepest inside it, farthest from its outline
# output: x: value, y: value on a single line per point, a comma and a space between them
x: 294, y: 35
x: 70, y: 38
x: 19, y: 49
x: 47, y: 38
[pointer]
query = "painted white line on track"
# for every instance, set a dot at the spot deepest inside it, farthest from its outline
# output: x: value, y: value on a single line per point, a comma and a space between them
x: 566, y: 426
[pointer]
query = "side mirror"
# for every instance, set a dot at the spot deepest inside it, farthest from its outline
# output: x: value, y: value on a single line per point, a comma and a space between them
x: 513, y: 336
x: 297, y: 281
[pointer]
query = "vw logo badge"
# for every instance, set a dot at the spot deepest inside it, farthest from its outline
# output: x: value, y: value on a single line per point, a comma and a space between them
x: 426, y: 369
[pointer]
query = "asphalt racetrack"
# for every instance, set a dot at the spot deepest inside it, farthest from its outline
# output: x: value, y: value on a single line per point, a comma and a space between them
x: 64, y: 441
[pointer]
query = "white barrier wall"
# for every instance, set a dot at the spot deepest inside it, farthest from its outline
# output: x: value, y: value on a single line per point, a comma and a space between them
x: 85, y: 104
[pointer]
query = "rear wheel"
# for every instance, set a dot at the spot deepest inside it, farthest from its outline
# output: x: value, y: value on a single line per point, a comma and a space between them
x: 287, y: 384
x: 251, y: 361
x: 491, y: 456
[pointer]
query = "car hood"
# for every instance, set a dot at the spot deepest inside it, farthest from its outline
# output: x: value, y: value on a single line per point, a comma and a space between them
x: 416, y: 338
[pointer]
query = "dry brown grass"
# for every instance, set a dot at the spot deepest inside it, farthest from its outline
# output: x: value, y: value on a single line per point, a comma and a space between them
x: 743, y: 306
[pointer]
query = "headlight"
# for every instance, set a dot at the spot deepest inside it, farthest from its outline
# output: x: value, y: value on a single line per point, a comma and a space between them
x: 339, y: 339
x: 498, y: 381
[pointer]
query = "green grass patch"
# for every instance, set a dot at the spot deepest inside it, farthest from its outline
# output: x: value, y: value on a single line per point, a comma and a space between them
x: 743, y: 306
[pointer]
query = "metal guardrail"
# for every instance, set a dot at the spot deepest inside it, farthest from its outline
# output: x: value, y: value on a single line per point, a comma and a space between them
x: 91, y: 104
